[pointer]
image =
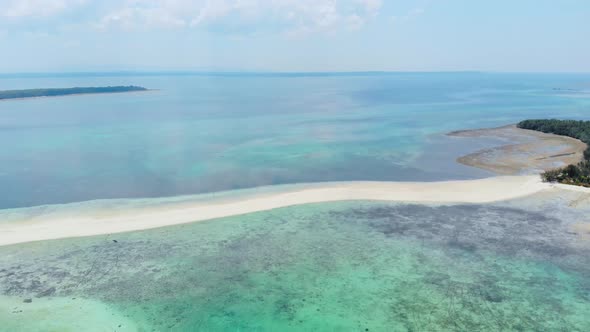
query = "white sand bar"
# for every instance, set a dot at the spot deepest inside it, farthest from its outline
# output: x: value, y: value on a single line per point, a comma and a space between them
x: 45, y: 226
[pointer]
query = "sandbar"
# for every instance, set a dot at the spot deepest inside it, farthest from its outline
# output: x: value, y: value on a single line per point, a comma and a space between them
x: 522, y: 152
x: 37, y: 227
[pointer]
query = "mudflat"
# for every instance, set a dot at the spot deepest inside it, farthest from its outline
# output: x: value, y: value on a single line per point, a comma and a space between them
x: 522, y: 151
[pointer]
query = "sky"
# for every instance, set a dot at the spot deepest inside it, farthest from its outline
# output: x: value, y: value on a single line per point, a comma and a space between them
x: 295, y: 35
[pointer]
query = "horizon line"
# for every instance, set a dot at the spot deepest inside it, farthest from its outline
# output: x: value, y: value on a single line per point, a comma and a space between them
x: 189, y: 72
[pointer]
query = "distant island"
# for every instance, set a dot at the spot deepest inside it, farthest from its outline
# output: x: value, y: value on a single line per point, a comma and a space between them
x: 32, y: 93
x: 573, y: 174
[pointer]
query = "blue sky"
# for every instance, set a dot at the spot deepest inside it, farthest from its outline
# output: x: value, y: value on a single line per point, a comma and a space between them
x: 295, y: 35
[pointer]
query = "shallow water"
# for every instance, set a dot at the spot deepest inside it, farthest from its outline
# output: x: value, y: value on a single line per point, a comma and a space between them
x: 351, y: 266
x: 201, y: 133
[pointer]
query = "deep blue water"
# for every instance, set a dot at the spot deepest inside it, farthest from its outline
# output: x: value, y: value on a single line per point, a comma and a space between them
x: 205, y: 133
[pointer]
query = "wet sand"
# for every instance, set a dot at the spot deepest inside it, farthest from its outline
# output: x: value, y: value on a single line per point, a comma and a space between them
x: 522, y: 151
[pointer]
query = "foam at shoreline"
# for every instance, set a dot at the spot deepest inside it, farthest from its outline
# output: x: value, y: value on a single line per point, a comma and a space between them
x: 116, y: 216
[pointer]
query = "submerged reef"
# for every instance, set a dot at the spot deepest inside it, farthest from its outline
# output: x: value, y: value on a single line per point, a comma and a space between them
x: 348, y: 266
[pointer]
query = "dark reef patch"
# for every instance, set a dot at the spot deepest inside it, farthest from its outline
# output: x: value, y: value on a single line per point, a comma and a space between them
x: 508, y: 231
x: 411, y: 266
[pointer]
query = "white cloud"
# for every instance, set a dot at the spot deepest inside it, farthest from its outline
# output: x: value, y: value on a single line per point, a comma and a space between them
x: 294, y: 16
x: 372, y: 6
x: 132, y: 17
x: 36, y: 8
x: 409, y: 16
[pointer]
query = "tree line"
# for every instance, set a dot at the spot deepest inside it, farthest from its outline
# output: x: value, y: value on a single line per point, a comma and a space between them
x: 578, y: 174
x: 30, y: 93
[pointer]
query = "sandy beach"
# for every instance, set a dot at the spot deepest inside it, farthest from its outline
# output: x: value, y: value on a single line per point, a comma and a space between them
x: 47, y: 226
x: 527, y: 153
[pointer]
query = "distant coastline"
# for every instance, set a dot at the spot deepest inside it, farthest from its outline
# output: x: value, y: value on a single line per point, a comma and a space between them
x: 57, y: 92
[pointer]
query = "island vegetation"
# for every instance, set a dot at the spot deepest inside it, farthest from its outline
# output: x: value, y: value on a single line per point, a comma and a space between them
x: 572, y: 174
x: 31, y: 93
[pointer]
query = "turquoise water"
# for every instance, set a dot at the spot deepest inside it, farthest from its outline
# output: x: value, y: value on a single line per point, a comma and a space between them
x: 349, y: 266
x: 352, y: 266
x: 202, y: 133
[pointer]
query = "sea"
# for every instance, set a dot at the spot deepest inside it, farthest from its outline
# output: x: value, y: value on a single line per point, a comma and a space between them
x: 347, y: 266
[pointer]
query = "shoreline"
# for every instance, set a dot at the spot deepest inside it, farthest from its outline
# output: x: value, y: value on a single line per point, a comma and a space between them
x: 78, y: 94
x: 522, y: 151
x: 102, y: 217
x: 41, y: 227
